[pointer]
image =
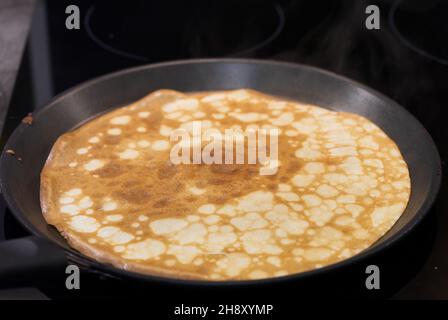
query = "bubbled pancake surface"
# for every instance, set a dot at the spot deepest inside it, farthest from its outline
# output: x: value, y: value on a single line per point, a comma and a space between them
x: 111, y: 190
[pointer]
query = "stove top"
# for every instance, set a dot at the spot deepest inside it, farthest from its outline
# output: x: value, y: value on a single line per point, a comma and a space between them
x: 404, y: 60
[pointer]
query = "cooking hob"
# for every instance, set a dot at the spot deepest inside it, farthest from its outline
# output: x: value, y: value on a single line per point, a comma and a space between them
x: 406, y: 62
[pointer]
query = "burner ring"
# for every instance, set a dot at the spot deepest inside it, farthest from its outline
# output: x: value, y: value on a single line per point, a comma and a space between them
x: 245, y: 52
x: 407, y: 42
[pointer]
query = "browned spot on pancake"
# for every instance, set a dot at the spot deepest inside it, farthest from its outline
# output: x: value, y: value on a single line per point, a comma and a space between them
x: 132, y: 183
x: 138, y: 196
x: 111, y: 170
x: 217, y: 181
x: 108, y: 139
x: 162, y: 202
x: 179, y: 187
x: 201, y: 183
x: 219, y: 199
x: 225, y: 168
x: 153, y: 122
x: 293, y: 166
x: 167, y: 170
x: 191, y: 198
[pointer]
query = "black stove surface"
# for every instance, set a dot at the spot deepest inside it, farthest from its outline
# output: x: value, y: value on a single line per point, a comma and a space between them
x: 403, y: 61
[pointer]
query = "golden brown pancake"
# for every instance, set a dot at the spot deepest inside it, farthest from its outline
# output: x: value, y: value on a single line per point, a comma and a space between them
x: 110, y: 189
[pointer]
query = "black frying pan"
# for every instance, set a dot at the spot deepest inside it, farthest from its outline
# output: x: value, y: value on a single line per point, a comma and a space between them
x: 20, y: 178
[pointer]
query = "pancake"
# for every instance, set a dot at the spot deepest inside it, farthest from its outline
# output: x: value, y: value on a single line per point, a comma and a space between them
x: 111, y: 190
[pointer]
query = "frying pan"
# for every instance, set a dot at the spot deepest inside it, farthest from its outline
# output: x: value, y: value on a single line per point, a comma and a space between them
x: 47, y: 249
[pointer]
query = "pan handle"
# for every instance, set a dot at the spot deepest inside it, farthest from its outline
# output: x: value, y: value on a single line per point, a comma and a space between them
x: 30, y: 261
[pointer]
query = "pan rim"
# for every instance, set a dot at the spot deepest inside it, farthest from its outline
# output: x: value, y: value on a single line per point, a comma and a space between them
x: 123, y: 273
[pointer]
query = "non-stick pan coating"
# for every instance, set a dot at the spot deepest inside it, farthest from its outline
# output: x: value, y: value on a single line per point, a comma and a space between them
x: 20, y: 179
